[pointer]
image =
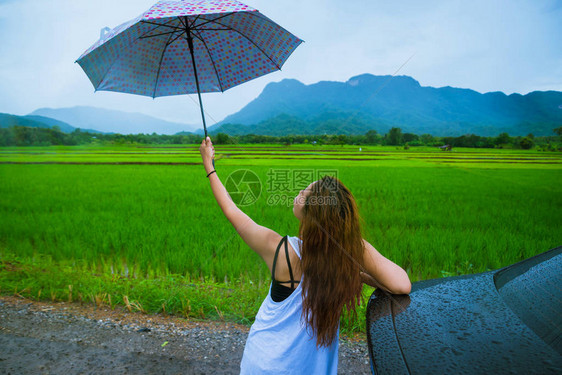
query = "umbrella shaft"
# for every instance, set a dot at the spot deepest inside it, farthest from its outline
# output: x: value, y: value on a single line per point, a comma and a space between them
x: 190, y: 43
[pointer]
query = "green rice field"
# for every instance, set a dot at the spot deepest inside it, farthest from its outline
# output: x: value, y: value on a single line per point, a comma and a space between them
x: 139, y: 227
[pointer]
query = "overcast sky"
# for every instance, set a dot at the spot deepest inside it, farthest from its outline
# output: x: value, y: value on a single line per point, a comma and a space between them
x: 486, y: 45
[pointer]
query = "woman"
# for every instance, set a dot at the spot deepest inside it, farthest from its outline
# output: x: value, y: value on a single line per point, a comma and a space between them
x: 314, y: 276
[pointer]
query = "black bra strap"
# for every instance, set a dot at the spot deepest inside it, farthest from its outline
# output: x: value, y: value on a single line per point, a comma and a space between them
x: 289, y: 264
x: 292, y: 281
x: 275, y: 258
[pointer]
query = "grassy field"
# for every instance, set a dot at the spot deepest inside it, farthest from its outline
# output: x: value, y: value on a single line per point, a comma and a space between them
x: 139, y: 226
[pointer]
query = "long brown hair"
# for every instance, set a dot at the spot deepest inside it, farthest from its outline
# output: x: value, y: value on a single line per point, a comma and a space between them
x: 332, y: 256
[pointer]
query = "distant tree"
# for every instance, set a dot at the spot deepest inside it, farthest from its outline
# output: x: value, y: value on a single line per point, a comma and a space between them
x: 371, y: 137
x: 342, y: 139
x: 7, y: 137
x: 558, y: 130
x: 409, y: 137
x: 526, y: 143
x: 503, y: 139
x: 427, y: 139
x: 394, y: 137
x: 222, y: 139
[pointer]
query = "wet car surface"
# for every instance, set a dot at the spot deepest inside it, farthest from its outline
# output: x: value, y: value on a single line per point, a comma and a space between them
x: 504, y: 321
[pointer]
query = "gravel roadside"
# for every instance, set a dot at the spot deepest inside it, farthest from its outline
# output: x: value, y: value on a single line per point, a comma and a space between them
x: 71, y: 338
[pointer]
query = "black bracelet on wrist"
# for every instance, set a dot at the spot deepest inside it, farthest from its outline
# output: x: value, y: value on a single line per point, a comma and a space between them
x: 211, y: 172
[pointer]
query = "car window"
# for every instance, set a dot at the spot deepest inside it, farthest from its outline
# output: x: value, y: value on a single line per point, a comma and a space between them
x: 533, y: 291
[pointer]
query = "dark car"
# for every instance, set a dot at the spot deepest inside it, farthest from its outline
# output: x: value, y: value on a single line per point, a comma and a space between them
x: 498, y: 322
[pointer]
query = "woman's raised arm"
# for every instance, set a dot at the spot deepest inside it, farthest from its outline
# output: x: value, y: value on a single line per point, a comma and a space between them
x: 259, y: 238
x: 383, y: 273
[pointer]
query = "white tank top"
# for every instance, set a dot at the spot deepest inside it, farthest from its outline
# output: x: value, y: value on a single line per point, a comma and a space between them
x: 278, y: 342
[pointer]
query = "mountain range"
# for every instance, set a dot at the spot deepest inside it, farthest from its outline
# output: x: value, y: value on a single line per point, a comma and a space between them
x: 369, y: 102
x: 360, y: 104
x: 33, y: 121
x: 112, y: 121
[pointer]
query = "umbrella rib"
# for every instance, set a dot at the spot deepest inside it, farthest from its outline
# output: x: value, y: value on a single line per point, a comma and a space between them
x: 161, y: 25
x: 215, y: 19
x: 183, y: 23
x: 196, y: 36
x: 151, y: 36
x: 106, y: 72
x: 160, y: 64
x: 211, y: 57
x: 176, y: 38
x: 192, y: 23
x: 211, y: 29
x: 251, y: 41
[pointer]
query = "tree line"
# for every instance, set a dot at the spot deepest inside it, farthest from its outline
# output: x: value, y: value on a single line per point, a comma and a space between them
x: 30, y: 136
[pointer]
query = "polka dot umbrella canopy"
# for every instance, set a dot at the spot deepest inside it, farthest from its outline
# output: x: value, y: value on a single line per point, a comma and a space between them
x: 187, y: 46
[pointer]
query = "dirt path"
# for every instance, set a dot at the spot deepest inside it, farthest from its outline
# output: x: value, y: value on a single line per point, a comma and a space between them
x: 70, y: 338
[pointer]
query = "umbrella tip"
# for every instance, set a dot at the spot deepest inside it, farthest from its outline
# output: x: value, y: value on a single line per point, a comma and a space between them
x: 104, y: 31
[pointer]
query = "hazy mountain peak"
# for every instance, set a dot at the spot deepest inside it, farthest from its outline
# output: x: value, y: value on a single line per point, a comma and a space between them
x: 285, y: 84
x: 370, y: 79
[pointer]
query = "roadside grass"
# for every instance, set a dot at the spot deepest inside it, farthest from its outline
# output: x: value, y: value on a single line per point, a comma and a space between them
x: 151, y: 237
x: 41, y: 278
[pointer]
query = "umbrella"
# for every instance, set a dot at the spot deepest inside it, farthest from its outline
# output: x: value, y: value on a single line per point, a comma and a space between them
x: 187, y: 46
